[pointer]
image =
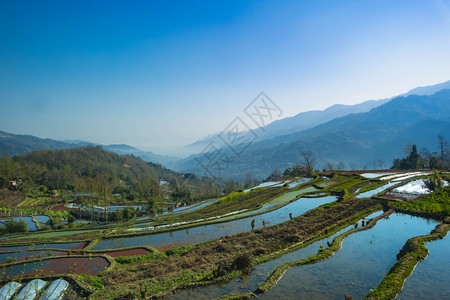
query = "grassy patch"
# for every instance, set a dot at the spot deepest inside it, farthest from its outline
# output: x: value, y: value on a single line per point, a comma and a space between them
x: 179, y: 250
x: 92, y: 281
x: 436, y: 203
x: 138, y: 258
x: 233, y: 202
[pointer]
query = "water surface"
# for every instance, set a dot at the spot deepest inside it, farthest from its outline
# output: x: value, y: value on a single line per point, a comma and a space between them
x: 259, y: 273
x: 370, y: 193
x: 65, y: 246
x: 21, y: 256
x: 431, y: 277
x: 31, y: 225
x: 84, y: 265
x: 209, y: 232
x: 359, y: 266
x: 42, y: 219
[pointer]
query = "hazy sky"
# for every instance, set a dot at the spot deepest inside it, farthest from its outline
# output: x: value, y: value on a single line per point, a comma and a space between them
x: 160, y: 74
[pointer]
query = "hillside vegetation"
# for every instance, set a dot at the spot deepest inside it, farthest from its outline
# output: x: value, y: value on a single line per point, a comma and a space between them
x: 94, y: 171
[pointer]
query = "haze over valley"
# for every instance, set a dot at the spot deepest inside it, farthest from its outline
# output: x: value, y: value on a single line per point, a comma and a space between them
x: 268, y: 149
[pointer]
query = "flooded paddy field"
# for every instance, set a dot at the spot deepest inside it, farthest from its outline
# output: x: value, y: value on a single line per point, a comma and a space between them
x: 29, y: 255
x: 358, y: 267
x: 65, y: 246
x: 208, y: 232
x: 250, y: 281
x: 66, y: 265
x: 430, y: 278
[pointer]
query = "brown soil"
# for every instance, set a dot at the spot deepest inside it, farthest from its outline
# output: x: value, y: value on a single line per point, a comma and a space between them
x: 169, y: 246
x: 78, y: 265
x: 79, y: 247
x: 60, y: 207
x: 11, y: 198
x: 67, y: 265
x: 223, y: 256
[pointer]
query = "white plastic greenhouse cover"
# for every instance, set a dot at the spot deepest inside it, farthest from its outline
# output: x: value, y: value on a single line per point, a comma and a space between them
x: 30, y: 291
x: 9, y: 289
x: 55, y: 291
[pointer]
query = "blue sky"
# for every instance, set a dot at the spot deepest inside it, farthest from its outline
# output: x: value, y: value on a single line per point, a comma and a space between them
x: 162, y: 74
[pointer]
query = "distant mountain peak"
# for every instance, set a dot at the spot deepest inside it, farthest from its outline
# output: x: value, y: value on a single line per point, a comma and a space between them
x: 428, y: 90
x: 358, y: 140
x: 15, y: 144
x: 121, y: 146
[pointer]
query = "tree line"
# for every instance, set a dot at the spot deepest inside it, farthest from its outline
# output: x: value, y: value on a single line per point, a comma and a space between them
x: 94, y: 172
x: 424, y: 159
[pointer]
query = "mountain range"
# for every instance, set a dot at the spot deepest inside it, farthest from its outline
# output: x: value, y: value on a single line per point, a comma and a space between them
x: 14, y: 144
x: 299, y: 122
x: 360, y: 140
x: 310, y: 119
x: 369, y: 134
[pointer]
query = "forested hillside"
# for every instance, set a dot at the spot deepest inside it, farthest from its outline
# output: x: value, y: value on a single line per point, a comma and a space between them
x: 93, y: 170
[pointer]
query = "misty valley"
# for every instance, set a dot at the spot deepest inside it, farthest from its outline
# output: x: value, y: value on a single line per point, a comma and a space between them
x: 264, y: 149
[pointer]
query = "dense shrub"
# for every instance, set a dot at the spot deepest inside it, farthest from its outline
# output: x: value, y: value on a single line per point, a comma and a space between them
x: 434, y: 183
x: 13, y: 226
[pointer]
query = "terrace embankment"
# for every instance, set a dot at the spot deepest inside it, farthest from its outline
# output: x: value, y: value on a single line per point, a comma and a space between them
x: 225, y: 258
x: 413, y: 252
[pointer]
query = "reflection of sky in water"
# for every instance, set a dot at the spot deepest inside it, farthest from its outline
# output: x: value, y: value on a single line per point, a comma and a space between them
x: 22, y: 255
x: 214, y: 231
x: 41, y: 246
x: 261, y: 185
x: 374, y: 175
x: 31, y: 225
x: 278, y: 201
x: 183, y: 209
x: 25, y: 269
x: 298, y: 182
x: 193, y: 207
x: 29, y: 220
x: 430, y: 278
x: 259, y: 273
x: 369, y: 194
x: 42, y: 219
x: 360, y: 265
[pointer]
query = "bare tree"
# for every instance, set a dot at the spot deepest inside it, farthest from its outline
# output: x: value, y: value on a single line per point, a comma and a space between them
x: 276, y: 174
x: 309, y: 160
x: 248, y: 180
x: 353, y: 166
x: 443, y: 147
x: 426, y: 157
x: 340, y: 166
x: 230, y: 186
x: 381, y: 164
x: 329, y: 166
